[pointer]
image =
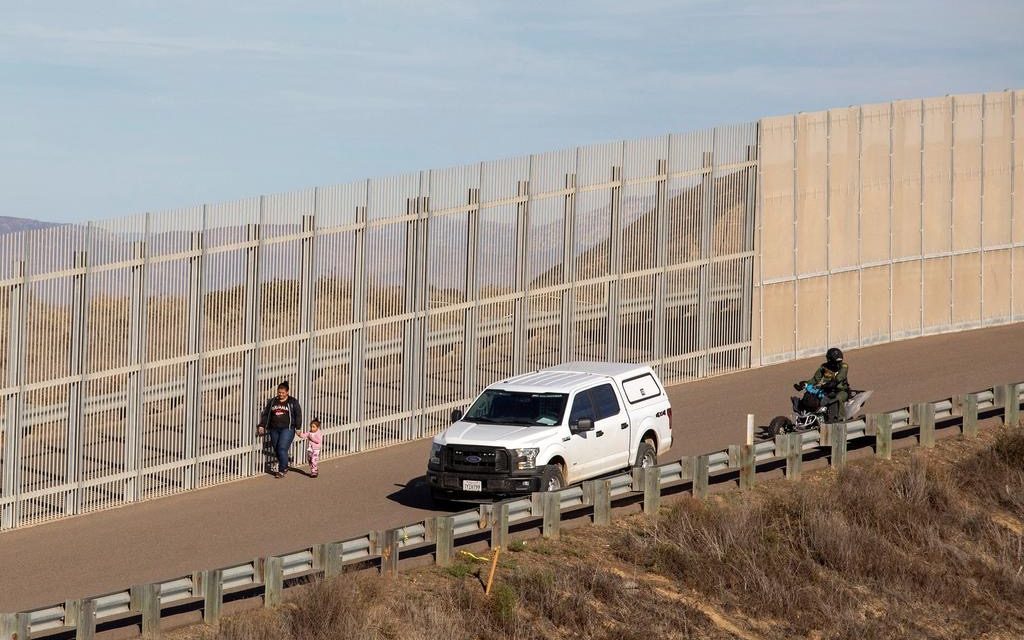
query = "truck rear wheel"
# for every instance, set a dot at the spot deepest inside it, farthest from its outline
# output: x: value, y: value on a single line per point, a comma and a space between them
x: 552, y: 479
x: 646, y: 455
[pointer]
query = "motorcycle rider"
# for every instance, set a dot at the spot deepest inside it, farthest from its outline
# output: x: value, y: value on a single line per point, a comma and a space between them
x: 831, y: 379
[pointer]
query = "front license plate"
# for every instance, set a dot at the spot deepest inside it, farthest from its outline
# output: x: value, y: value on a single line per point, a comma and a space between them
x: 472, y: 485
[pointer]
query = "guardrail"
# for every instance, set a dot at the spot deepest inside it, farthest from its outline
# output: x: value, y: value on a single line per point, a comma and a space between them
x: 266, y: 578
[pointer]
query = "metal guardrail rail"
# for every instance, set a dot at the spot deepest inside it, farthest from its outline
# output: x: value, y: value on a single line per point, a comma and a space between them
x: 144, y: 605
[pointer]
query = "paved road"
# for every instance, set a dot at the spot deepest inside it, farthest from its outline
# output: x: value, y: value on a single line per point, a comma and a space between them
x: 170, y: 537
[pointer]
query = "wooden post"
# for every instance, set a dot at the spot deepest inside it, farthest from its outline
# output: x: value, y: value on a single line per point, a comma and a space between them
x: 837, y: 434
x: 651, y: 482
x: 145, y: 598
x: 499, y: 526
x: 14, y: 626
x: 389, y: 553
x: 882, y: 425
x: 552, y: 506
x: 794, y: 448
x: 968, y: 406
x: 85, y: 625
x: 1007, y: 396
x: 444, y: 533
x: 699, y: 486
x: 746, y: 461
x: 273, y: 581
x: 924, y: 416
x: 212, y: 585
x: 601, y: 499
x: 494, y: 567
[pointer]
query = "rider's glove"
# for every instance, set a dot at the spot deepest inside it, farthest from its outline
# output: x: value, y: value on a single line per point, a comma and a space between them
x: 799, y: 386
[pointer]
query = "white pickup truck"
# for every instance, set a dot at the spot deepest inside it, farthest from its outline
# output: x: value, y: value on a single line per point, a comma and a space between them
x: 544, y: 430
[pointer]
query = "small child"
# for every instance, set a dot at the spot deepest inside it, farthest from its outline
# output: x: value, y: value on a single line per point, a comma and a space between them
x: 313, y: 440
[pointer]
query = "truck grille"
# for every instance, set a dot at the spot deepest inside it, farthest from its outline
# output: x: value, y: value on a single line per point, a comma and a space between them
x: 475, y: 459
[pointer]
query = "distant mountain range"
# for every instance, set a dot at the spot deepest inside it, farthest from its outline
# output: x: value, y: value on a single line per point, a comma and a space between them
x: 13, y: 225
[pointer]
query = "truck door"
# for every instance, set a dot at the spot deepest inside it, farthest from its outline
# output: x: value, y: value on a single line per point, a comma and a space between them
x: 606, y: 448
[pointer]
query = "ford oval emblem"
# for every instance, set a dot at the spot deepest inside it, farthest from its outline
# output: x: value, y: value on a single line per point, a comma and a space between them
x: 473, y: 459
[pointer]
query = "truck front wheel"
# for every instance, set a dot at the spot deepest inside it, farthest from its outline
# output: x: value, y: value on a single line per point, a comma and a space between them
x: 552, y: 479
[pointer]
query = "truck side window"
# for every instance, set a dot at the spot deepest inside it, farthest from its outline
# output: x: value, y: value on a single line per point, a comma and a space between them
x: 582, y: 407
x: 606, y: 405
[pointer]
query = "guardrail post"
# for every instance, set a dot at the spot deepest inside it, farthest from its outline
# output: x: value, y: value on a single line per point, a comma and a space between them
x: 145, y: 598
x: 499, y: 526
x: 793, y: 445
x: 389, y: 553
x: 744, y: 457
x: 881, y: 424
x: 837, y: 435
x: 331, y: 559
x: 924, y: 416
x: 85, y: 619
x: 551, y: 502
x: 212, y: 584
x: 699, y: 485
x: 649, y: 481
x: 1008, y: 397
x: 967, y: 406
x: 601, y: 498
x: 444, y: 534
x: 14, y: 626
x: 273, y: 581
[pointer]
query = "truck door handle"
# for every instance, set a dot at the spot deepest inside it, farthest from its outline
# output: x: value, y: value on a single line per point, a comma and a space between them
x: 599, y: 434
x: 624, y: 425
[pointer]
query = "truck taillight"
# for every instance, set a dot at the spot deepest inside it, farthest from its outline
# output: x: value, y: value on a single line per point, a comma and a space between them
x: 669, y: 412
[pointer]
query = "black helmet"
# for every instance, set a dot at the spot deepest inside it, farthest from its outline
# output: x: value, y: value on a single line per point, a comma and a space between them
x: 834, y: 355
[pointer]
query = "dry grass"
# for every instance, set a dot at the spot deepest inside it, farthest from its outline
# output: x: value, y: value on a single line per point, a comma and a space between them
x: 926, y: 546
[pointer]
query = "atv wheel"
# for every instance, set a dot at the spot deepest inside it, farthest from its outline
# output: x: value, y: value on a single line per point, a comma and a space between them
x: 779, y: 425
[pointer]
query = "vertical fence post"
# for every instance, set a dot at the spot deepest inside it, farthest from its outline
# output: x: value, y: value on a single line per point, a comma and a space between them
x: 551, y: 502
x: 307, y: 281
x: 10, y: 487
x: 567, y: 295
x: 470, y: 355
x: 389, y: 553
x: 76, y: 389
x: 273, y: 581
x: 444, y: 533
x: 250, y: 331
x: 699, y: 485
x: 1007, y: 396
x: 794, y: 447
x: 212, y: 585
x: 660, y: 255
x: 14, y: 626
x: 85, y: 619
x: 499, y: 526
x: 145, y: 598
x: 968, y: 407
x: 924, y: 416
x: 615, y: 266
x: 707, y: 222
x: 134, y: 420
x: 837, y: 434
x: 357, y: 370
x: 522, y: 305
x: 194, y: 372
x: 881, y: 423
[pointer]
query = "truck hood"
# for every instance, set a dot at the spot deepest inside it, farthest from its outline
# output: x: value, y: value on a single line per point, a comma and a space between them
x: 497, y: 435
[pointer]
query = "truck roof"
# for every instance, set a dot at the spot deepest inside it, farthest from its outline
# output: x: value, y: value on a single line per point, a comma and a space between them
x: 569, y: 376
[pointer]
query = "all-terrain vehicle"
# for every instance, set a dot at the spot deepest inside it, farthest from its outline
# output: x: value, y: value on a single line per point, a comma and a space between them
x: 810, y: 409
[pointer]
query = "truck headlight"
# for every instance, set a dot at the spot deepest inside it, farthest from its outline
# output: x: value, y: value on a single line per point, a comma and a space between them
x: 435, y: 453
x: 526, y: 459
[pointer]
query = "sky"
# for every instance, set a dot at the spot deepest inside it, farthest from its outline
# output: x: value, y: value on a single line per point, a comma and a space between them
x: 115, y: 107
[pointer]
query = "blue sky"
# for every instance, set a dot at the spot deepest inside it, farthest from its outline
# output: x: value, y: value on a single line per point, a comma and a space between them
x: 109, y: 108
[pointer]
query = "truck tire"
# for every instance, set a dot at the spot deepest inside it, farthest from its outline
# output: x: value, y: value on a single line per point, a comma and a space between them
x: 552, y: 479
x: 779, y: 425
x: 646, y: 455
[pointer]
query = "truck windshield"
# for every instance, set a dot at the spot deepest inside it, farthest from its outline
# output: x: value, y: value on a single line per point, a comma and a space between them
x: 495, y: 406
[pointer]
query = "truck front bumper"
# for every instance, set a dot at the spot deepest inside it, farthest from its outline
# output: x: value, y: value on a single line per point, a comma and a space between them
x: 460, y: 484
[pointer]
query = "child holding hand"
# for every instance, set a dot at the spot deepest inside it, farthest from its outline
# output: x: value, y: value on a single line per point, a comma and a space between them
x: 314, y: 438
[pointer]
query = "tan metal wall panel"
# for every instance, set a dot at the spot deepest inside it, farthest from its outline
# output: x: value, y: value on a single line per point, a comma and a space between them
x: 998, y: 285
x: 906, y: 298
x: 874, y: 326
x: 967, y: 172
x: 778, y: 320
x: 967, y: 289
x: 1018, y: 284
x: 874, y: 209
x: 843, y: 188
x: 777, y: 196
x: 811, y: 185
x: 906, y: 158
x: 937, y: 302
x: 844, y: 308
x: 812, y: 313
x: 997, y: 170
x: 938, y: 136
x: 1018, y: 167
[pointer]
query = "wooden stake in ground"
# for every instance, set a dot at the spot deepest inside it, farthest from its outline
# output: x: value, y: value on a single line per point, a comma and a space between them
x: 494, y: 567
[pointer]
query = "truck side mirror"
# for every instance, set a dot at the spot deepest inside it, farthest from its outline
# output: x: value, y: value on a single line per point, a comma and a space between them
x: 584, y: 424
x: 456, y: 415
